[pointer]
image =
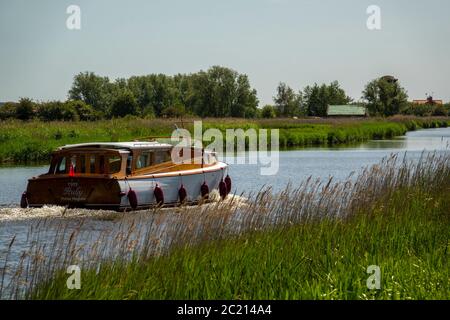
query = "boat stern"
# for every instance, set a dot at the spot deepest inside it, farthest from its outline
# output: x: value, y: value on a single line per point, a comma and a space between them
x: 78, y: 192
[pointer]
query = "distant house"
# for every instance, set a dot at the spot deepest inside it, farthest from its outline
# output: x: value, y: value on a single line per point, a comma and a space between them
x: 429, y: 100
x: 346, y: 111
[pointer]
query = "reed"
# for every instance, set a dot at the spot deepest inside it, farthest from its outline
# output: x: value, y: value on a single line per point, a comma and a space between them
x: 24, y: 142
x: 311, y: 241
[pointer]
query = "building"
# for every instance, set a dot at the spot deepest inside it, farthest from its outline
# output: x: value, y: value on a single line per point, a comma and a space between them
x: 346, y: 111
x: 429, y: 100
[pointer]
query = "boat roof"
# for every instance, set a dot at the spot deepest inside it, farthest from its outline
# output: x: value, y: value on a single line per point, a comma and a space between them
x: 119, y: 145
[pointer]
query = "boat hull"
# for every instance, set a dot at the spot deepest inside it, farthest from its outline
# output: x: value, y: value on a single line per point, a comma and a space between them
x: 112, y: 193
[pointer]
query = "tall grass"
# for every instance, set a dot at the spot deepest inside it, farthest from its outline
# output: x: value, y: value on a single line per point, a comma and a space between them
x: 22, y: 142
x: 35, y: 140
x: 312, y: 241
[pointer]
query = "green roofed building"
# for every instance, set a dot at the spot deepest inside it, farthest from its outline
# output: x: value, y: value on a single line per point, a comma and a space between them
x: 346, y: 111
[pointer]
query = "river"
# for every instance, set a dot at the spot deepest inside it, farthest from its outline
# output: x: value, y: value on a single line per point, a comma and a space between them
x: 35, y: 235
x: 294, y: 165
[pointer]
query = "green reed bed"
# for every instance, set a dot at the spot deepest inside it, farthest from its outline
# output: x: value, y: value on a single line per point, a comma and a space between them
x: 22, y: 142
x: 314, y: 241
x: 34, y: 141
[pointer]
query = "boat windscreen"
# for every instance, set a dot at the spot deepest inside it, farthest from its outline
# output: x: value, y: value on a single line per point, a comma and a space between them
x: 86, y: 163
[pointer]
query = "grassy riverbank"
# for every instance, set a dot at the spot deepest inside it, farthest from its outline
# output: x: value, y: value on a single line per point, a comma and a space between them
x: 313, y: 242
x: 33, y: 141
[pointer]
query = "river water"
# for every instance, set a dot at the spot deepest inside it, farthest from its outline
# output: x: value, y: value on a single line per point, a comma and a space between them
x: 294, y: 165
x: 32, y: 234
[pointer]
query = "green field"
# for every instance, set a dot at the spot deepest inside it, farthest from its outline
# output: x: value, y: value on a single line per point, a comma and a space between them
x: 33, y: 141
x: 395, y: 216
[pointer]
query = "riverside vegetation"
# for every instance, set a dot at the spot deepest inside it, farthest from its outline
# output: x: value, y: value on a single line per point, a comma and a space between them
x: 33, y: 141
x: 311, y: 241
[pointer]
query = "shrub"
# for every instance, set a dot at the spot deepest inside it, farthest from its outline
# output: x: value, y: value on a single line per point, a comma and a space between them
x: 268, y: 112
x: 439, y: 110
x: 8, y: 111
x: 148, y: 113
x: 173, y: 112
x: 421, y: 110
x: 84, y: 111
x: 25, y: 109
x: 56, y: 110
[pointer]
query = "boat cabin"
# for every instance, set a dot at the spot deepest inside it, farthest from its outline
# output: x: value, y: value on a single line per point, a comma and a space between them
x: 122, y: 159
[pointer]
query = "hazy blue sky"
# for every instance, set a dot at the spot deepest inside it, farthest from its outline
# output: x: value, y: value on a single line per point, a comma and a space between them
x: 297, y: 42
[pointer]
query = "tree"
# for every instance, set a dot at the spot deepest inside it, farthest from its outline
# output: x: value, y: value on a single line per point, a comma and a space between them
x: 93, y: 90
x: 124, y: 104
x: 222, y: 88
x: 385, y: 97
x: 317, y: 98
x: 163, y: 93
x: 56, y: 111
x: 287, y: 102
x: 142, y: 89
x: 201, y: 101
x: 154, y: 93
x: 246, y: 102
x: 186, y: 94
x: 447, y: 108
x: 214, y: 92
x: 217, y: 92
x: 313, y: 103
x: 335, y: 95
x: 25, y: 109
x: 84, y: 111
x: 8, y: 110
x: 268, y: 112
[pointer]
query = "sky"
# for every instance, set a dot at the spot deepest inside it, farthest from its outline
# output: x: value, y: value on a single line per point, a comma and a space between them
x: 297, y: 42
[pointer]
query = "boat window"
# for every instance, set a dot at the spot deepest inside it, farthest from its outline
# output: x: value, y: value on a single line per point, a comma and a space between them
x: 102, y: 165
x: 211, y: 158
x: 73, y: 163
x: 61, y: 166
x: 115, y: 163
x: 87, y: 164
x: 145, y: 159
x: 129, y: 162
x: 162, y: 156
x: 92, y: 164
x: 80, y: 164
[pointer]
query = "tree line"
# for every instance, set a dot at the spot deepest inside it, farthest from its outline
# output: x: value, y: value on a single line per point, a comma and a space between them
x: 216, y: 92
x: 382, y: 97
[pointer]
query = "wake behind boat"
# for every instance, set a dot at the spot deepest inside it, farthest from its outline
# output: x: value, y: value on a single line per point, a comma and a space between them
x: 126, y: 175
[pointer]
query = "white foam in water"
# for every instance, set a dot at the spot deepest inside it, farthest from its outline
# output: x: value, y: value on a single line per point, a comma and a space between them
x: 44, y: 212
x: 17, y: 214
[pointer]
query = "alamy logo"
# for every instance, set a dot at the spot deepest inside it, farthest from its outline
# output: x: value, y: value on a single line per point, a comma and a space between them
x: 259, y: 150
x: 374, y: 280
x: 374, y: 19
x: 73, y: 22
x: 74, y: 280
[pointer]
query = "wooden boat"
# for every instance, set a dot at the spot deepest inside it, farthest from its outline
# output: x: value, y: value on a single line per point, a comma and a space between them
x: 126, y: 175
